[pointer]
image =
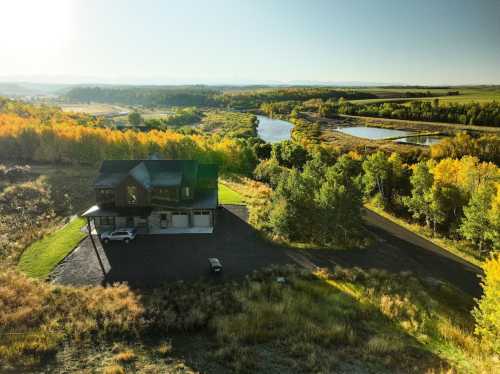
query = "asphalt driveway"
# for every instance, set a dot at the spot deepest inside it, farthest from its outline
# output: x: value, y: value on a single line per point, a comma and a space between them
x: 153, y: 259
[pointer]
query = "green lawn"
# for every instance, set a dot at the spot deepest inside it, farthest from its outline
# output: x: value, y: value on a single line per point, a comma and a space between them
x: 40, y: 258
x: 228, y: 196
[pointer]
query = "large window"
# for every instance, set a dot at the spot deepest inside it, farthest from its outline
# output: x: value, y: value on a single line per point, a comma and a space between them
x: 131, y: 195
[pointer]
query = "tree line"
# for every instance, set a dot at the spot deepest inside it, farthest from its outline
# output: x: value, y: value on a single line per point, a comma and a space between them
x: 146, y: 96
x: 28, y: 139
x: 203, y: 96
x: 482, y: 114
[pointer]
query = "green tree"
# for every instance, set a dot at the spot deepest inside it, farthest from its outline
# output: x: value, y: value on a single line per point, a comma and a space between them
x: 476, y: 222
x: 291, y: 213
x: 290, y: 154
x: 419, y: 203
x: 134, y: 118
x: 377, y: 173
x: 338, y: 208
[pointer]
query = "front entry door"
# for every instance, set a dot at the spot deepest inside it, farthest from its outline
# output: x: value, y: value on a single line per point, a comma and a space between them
x: 163, y: 221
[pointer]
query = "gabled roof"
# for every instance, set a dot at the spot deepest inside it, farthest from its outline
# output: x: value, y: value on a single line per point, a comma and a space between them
x: 155, y: 173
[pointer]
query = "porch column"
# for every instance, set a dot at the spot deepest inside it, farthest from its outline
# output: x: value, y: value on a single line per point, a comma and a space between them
x: 89, y: 227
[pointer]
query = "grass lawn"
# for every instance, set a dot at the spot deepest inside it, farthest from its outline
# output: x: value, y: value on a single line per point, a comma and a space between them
x: 228, y: 196
x: 40, y: 258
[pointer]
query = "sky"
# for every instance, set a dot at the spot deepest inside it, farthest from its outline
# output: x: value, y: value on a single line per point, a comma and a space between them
x: 250, y: 41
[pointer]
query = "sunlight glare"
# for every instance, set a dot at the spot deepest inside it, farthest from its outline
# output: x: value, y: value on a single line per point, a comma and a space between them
x: 35, y: 24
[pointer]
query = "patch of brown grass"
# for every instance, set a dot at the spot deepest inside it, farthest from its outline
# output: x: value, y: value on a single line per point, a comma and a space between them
x: 114, y: 369
x: 125, y: 357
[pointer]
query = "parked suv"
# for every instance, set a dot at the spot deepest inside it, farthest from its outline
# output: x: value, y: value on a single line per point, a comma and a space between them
x: 125, y: 235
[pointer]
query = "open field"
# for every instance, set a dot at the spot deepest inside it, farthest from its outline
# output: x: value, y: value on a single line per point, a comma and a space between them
x: 467, y: 95
x: 96, y: 109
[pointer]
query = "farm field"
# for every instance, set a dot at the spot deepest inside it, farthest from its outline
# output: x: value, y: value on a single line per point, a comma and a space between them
x: 467, y: 95
x: 96, y: 109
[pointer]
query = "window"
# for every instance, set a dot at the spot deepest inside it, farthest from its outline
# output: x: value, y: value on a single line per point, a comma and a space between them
x: 131, y: 195
x: 107, y: 221
x: 186, y: 192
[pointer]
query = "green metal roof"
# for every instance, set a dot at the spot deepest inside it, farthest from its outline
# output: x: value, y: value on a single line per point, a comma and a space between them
x: 155, y: 173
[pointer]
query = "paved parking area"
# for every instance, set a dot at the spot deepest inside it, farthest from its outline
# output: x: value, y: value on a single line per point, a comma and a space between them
x: 153, y: 259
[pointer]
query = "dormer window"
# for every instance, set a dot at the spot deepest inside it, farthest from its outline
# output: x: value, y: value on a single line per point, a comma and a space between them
x: 131, y: 195
x: 186, y: 192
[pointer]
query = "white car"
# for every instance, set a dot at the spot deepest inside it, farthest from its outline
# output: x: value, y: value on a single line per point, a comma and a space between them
x: 124, y: 235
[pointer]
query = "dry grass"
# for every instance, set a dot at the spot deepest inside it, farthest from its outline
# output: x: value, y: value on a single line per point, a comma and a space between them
x: 114, y: 369
x: 164, y: 348
x: 36, y: 317
x: 315, y: 320
x: 125, y: 357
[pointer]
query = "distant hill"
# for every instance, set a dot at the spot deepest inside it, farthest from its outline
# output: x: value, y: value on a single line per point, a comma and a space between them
x: 31, y: 89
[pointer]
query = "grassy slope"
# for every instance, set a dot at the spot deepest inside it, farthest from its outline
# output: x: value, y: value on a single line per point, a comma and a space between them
x: 229, y: 196
x: 335, y: 320
x: 41, y: 257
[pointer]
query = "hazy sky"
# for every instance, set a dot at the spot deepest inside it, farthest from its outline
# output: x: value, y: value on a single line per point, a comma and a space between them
x: 240, y: 41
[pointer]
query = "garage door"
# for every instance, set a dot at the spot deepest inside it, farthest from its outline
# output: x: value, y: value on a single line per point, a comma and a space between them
x: 180, y: 219
x: 201, y: 219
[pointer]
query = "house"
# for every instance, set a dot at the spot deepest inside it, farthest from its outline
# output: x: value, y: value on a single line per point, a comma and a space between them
x: 155, y: 196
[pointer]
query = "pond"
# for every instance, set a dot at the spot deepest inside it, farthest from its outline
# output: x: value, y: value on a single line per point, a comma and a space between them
x: 421, y: 139
x: 273, y: 130
x: 375, y: 133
